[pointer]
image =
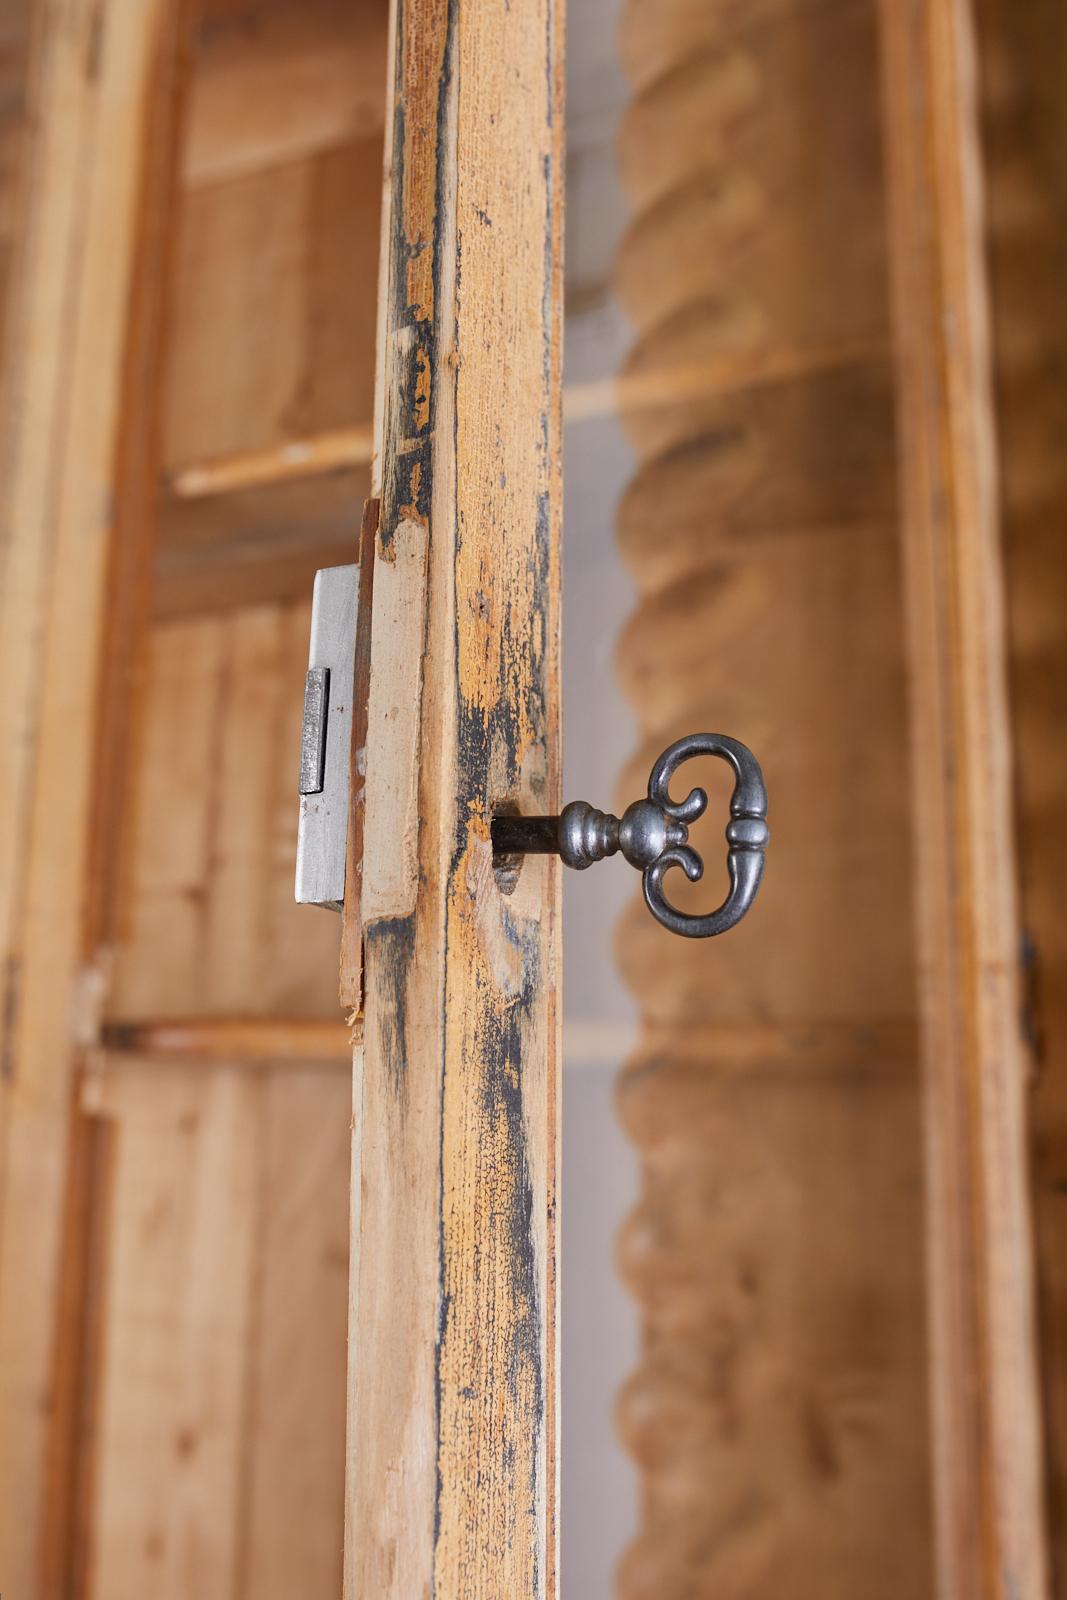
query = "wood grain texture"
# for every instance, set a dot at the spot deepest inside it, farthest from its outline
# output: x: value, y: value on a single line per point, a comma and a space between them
x: 277, y: 83
x: 249, y: 1040
x: 15, y: 22
x: 452, y: 1478
x: 778, y: 1414
x: 391, y: 834
x: 102, y: 104
x: 350, y: 961
x: 218, y: 1436
x: 208, y: 923
x: 775, y: 1396
x: 1021, y: 51
x: 297, y: 458
x: 272, y: 331
x: 251, y: 546
x: 990, y: 1514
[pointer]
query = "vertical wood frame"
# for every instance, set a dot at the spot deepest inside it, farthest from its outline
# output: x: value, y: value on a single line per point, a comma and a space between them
x: 1024, y: 124
x: 452, y: 1436
x: 984, y: 1396
x: 84, y: 332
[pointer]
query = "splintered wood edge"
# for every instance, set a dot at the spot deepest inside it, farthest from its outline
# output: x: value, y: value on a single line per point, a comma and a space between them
x: 351, y: 954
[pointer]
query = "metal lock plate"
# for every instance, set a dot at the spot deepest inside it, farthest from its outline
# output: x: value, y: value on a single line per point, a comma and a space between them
x: 325, y: 740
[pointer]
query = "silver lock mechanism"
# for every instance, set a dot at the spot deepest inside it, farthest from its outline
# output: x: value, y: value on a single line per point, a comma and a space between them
x: 325, y: 740
x: 652, y: 834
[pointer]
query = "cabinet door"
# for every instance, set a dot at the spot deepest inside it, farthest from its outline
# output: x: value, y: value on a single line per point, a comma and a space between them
x: 452, y: 1481
x: 93, y: 130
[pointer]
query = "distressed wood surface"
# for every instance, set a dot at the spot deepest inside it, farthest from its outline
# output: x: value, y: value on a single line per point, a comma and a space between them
x: 452, y: 1482
x: 79, y: 338
x: 777, y: 1415
x: 988, y: 1480
x: 350, y: 961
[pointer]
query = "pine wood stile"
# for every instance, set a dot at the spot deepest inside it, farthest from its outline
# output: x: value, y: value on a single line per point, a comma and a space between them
x: 83, y: 331
x: 452, y: 1478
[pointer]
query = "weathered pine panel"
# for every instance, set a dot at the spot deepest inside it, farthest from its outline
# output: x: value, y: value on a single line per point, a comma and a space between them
x: 209, y: 926
x: 218, y: 1443
x: 250, y: 546
x: 778, y: 1416
x: 81, y: 334
x: 452, y: 1481
x: 272, y: 329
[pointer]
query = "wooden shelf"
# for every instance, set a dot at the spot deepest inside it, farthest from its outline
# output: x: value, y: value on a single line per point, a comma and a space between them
x: 297, y: 458
x: 251, y: 1039
x: 272, y: 1040
x: 632, y: 392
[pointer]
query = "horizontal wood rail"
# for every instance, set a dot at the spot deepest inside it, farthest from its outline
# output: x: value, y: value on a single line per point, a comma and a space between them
x: 279, y: 463
x: 882, y: 1047
x: 638, y: 390
x: 266, y: 1039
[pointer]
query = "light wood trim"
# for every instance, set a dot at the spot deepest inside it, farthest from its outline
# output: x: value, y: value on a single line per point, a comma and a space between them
x: 218, y: 1428
x: 350, y: 961
x: 990, y: 1531
x: 102, y: 101
x: 274, y: 1040
x: 297, y: 458
x: 661, y: 385
x: 625, y: 395
x: 751, y: 1046
x: 452, y: 1480
x: 245, y: 1039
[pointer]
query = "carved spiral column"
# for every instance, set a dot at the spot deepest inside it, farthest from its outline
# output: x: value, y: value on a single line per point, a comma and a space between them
x: 778, y: 1413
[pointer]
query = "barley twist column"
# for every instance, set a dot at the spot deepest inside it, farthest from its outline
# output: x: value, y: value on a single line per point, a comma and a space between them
x: 778, y: 1414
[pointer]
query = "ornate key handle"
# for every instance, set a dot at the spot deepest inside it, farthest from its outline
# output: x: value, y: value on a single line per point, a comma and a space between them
x: 653, y: 834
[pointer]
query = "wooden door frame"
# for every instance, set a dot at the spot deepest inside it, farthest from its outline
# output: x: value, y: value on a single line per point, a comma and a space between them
x: 452, y: 1480
x: 79, y: 440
